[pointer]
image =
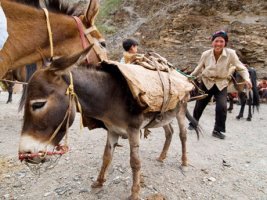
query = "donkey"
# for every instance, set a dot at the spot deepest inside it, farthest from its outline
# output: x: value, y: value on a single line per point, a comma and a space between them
x: 31, y: 21
x: 252, y: 98
x: 34, y: 35
x: 102, y: 95
x: 22, y: 75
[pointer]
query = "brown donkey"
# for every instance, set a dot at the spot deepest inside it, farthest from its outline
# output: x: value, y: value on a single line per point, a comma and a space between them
x: 29, y: 39
x: 103, y: 95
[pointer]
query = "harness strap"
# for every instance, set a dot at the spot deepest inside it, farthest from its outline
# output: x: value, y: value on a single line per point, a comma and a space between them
x: 89, y: 30
x: 85, y: 43
x: 97, y: 48
x: 49, y: 32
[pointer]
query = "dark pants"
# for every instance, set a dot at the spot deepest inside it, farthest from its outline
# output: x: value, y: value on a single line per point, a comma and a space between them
x: 221, y: 106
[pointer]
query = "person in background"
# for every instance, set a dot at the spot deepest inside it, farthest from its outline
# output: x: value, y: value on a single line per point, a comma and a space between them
x: 130, y: 47
x: 262, y: 88
x: 214, y: 68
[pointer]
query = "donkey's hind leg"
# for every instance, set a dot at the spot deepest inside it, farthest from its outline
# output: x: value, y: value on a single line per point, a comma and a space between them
x: 112, y: 141
x: 231, y: 103
x: 181, y: 122
x: 168, y: 138
x: 135, y: 162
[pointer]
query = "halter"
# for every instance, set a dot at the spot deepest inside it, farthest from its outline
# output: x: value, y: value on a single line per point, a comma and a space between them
x: 83, y: 32
x: 49, y: 33
x: 85, y: 40
x: 59, y: 149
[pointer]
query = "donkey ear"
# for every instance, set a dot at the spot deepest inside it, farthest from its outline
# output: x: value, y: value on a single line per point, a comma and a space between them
x: 91, y: 12
x: 64, y: 63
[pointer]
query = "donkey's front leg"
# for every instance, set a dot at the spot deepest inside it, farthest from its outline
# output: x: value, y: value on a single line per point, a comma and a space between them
x: 134, y: 140
x: 181, y: 122
x: 112, y: 141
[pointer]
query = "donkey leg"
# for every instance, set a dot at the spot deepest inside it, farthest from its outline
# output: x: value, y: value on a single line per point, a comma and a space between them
x: 135, y: 163
x: 10, y: 93
x: 243, y: 100
x: 112, y: 140
x: 241, y: 112
x: 231, y: 103
x: 9, y: 100
x: 249, y: 108
x: 168, y: 138
x: 181, y: 122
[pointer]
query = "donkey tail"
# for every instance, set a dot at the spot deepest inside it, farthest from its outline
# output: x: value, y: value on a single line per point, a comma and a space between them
x: 255, y: 94
x: 194, y: 123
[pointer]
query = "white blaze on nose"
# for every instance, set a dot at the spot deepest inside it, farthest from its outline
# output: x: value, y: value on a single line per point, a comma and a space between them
x: 29, y: 144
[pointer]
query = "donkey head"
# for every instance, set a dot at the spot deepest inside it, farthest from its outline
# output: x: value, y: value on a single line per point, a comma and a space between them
x: 49, y: 111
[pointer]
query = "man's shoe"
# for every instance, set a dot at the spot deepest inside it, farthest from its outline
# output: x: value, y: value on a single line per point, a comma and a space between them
x: 218, y: 134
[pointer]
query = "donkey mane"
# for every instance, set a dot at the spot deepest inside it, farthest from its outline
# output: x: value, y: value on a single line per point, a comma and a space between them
x: 57, y: 6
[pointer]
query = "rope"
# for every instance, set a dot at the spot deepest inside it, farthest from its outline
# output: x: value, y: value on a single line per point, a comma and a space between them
x: 70, y: 91
x: 187, y: 75
x: 49, y: 32
x: 72, y: 97
x: 16, y: 82
x: 191, y: 79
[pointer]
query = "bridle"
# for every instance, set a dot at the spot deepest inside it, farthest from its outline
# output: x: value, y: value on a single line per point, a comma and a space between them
x: 86, y: 38
x: 85, y: 35
x: 59, y: 149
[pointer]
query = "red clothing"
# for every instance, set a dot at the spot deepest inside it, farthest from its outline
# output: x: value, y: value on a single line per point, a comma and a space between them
x: 263, y: 84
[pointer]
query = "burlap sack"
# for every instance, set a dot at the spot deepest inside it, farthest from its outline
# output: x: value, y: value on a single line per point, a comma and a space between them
x: 146, y: 86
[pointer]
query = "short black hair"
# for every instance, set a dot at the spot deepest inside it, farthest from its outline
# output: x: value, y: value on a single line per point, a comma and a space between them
x: 128, y: 43
x: 222, y: 34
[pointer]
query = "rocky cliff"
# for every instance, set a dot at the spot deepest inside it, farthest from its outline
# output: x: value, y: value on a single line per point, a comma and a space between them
x: 180, y: 30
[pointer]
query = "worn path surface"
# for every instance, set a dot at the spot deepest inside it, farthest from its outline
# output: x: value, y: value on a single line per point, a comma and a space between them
x: 243, y: 177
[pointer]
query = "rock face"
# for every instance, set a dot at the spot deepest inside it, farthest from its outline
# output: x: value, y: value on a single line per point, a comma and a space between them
x: 181, y: 30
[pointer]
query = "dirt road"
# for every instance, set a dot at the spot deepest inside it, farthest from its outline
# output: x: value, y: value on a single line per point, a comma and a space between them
x: 242, y: 176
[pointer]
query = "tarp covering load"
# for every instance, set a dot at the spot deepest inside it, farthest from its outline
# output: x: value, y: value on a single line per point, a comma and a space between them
x: 157, y: 88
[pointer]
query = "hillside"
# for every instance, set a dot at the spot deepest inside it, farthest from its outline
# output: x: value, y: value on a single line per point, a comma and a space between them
x: 180, y: 30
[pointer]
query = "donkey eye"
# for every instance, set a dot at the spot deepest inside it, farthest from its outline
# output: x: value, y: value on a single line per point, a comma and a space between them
x: 37, y: 105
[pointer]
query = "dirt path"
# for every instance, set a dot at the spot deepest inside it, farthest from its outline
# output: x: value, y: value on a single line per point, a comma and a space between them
x: 244, y: 150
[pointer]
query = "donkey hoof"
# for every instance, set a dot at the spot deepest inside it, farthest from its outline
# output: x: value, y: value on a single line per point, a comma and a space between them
x: 183, y: 167
x: 249, y: 119
x: 238, y: 117
x: 97, y: 184
x: 160, y: 159
x: 133, y: 198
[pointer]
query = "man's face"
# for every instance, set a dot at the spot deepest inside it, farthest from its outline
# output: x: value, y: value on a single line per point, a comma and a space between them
x: 134, y: 49
x: 218, y: 44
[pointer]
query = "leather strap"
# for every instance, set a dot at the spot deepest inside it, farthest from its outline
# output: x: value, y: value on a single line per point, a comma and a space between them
x: 85, y: 43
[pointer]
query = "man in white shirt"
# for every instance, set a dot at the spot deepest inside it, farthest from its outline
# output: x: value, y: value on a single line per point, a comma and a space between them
x: 214, y: 68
